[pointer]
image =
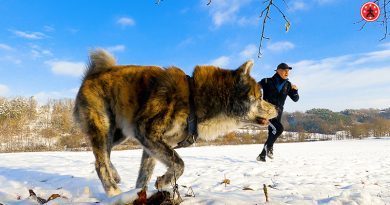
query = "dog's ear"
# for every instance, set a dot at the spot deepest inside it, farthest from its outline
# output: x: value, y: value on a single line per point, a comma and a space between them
x: 245, y: 68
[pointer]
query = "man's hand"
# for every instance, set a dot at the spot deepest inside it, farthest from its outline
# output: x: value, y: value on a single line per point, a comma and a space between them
x: 294, y: 87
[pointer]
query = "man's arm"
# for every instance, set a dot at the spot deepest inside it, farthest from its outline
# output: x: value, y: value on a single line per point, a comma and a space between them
x: 293, y: 93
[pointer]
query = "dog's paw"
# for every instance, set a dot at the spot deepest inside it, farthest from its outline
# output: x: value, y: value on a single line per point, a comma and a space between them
x: 113, y: 192
x: 160, y: 182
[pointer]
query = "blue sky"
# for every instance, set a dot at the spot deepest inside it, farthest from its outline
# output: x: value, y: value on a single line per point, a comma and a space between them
x: 44, y: 45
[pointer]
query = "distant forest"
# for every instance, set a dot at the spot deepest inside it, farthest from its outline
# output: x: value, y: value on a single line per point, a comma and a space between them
x: 27, y: 126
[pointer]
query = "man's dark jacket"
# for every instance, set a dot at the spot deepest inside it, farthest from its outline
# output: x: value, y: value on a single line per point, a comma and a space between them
x: 272, y: 95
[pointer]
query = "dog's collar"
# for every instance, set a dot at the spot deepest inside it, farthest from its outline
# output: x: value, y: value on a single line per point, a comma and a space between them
x: 192, y: 120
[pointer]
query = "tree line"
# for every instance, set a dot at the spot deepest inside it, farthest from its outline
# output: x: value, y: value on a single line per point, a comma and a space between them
x: 27, y: 126
x: 357, y: 123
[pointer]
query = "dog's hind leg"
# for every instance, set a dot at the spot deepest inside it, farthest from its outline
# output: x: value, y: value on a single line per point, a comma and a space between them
x: 146, y: 170
x: 97, y: 127
x: 117, y: 137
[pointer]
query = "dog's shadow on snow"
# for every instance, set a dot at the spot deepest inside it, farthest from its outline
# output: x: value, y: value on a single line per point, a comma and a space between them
x: 50, y: 182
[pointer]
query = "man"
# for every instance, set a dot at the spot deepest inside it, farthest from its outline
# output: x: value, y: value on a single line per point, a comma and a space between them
x: 275, y: 91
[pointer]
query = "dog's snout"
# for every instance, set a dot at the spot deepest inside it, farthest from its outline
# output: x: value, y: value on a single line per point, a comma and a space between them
x: 271, y: 109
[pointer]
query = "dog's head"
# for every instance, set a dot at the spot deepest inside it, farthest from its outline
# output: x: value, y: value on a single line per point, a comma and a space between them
x: 247, y: 99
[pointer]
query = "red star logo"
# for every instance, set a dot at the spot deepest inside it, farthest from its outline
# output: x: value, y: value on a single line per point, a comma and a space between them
x: 370, y: 11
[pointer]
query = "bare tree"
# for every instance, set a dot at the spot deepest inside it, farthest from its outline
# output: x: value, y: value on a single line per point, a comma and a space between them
x: 272, y: 4
x: 265, y: 16
x: 383, y: 19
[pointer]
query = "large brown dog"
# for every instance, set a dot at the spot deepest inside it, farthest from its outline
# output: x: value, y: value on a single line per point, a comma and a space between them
x: 151, y: 104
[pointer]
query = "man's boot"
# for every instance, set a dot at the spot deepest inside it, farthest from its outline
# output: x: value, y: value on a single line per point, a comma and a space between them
x: 270, y: 152
x: 262, y: 155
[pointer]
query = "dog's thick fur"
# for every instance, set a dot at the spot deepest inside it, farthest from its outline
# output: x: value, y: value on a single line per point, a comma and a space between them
x: 151, y: 104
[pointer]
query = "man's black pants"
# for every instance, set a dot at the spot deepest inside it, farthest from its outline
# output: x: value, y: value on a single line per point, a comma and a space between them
x: 275, y: 129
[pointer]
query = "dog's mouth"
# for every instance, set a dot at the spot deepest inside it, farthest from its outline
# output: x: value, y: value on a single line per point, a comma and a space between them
x: 262, y: 121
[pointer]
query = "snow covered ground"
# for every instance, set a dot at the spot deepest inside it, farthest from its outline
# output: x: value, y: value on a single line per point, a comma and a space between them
x: 329, y: 172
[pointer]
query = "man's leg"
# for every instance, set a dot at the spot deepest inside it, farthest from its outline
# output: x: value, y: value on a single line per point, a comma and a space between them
x: 263, y: 153
x: 275, y: 129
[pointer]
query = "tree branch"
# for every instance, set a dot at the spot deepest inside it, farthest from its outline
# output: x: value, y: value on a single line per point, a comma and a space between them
x: 385, y: 18
x: 267, y: 10
x: 361, y: 28
x: 280, y: 11
x: 285, y: 3
x: 383, y: 4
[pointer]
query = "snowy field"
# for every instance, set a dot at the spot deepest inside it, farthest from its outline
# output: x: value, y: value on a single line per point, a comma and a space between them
x: 330, y: 172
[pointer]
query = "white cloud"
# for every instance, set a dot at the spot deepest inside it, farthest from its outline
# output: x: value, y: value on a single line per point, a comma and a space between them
x: 69, y: 68
x: 116, y: 48
x: 297, y: 6
x: 74, y: 90
x: 322, y: 2
x: 46, y: 52
x: 280, y: 46
x: 337, y: 83
x: 44, y: 96
x: 35, y: 54
x: 184, y: 10
x: 222, y: 61
x: 372, y: 56
x: 5, y: 47
x: 73, y: 30
x: 38, y: 52
x: 226, y: 11
x: 385, y: 45
x: 249, y: 52
x: 186, y: 42
x: 32, y: 35
x: 3, y: 90
x: 244, y: 21
x: 237, y: 58
x: 125, y: 21
x: 11, y: 59
x: 48, y: 28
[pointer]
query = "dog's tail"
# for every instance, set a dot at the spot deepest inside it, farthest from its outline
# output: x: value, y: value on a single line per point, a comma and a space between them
x: 99, y: 61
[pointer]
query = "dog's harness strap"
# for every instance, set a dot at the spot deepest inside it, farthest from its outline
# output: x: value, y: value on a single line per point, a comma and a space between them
x: 192, y: 120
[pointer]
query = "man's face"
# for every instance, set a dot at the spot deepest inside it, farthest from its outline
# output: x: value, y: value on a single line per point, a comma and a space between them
x: 283, y: 73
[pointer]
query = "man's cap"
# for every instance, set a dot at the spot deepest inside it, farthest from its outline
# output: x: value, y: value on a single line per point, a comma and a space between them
x: 283, y: 66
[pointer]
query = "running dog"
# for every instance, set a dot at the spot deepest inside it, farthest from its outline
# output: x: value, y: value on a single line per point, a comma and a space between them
x: 151, y: 104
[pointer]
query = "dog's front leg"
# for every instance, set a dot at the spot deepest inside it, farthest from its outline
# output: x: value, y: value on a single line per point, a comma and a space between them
x: 146, y: 170
x: 174, y: 164
x: 158, y: 149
